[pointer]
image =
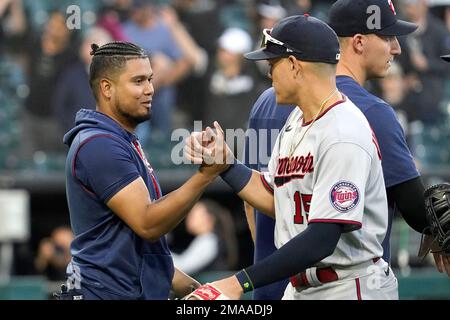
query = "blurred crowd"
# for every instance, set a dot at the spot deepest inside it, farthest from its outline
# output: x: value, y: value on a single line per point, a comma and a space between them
x: 196, y: 49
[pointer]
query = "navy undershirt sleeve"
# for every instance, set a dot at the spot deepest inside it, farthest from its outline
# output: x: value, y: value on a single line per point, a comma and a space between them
x: 398, y: 163
x: 105, y: 166
x: 296, y: 255
x: 409, y: 198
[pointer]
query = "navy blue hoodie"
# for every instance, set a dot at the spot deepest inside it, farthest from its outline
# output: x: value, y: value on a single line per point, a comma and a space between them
x: 109, y: 260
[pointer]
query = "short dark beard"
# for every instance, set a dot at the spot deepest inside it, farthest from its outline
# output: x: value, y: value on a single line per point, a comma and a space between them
x: 134, y: 121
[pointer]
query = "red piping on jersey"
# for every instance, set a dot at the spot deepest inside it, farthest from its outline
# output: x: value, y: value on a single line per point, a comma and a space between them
x: 155, y: 185
x: 265, y: 184
x: 326, y: 110
x: 75, y: 158
x: 375, y: 141
x: 358, y: 289
x: 136, y: 146
x: 337, y: 221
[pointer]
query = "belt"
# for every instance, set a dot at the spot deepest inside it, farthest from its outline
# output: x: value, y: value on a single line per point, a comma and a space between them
x: 316, y: 276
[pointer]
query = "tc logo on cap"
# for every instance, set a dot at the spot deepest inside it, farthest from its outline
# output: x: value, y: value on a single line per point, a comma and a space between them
x: 391, y: 5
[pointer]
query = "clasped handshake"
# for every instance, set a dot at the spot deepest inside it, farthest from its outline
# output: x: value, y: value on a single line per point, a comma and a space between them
x: 209, y: 149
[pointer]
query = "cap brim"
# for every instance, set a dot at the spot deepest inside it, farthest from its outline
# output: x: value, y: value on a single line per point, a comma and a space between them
x: 261, y: 54
x: 446, y: 57
x: 400, y: 28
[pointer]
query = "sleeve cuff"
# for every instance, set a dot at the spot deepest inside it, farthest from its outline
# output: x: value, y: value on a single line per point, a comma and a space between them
x: 266, y: 184
x: 349, y: 225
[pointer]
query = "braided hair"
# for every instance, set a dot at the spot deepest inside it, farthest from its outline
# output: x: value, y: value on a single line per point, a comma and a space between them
x: 111, y: 58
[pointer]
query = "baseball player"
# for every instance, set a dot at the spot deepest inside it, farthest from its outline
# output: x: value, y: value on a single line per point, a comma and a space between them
x: 367, y: 51
x: 324, y: 186
x: 267, y: 117
x: 118, y: 213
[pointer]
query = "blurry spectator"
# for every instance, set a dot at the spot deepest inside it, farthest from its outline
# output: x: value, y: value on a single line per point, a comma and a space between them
x: 146, y: 29
x: 54, y: 254
x: 199, y: 16
x: 316, y: 8
x: 232, y: 82
x: 393, y: 91
x: 46, y: 59
x: 196, y: 56
x: 425, y: 71
x: 214, y: 246
x: 12, y: 79
x: 112, y: 16
x: 298, y: 6
x: 72, y: 91
x: 12, y: 20
x: 201, y: 19
x: 120, y: 7
x: 447, y: 17
x: 268, y: 15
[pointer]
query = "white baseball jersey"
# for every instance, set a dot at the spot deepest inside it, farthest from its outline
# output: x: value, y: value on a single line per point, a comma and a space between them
x: 332, y: 175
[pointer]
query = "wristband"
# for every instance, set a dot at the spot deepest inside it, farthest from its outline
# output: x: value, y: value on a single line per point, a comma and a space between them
x: 237, y: 176
x: 244, y: 281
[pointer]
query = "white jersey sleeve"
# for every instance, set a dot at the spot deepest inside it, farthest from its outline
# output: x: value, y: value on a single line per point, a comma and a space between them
x: 338, y: 195
x: 268, y: 177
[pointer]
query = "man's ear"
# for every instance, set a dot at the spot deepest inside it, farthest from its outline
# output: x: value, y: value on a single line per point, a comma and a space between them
x: 106, y: 88
x: 294, y: 65
x: 358, y: 42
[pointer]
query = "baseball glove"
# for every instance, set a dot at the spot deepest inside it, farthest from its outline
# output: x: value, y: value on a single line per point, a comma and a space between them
x: 206, y: 292
x: 437, y: 204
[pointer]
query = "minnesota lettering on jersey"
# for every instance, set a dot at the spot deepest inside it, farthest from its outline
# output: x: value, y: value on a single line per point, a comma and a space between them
x: 290, y: 168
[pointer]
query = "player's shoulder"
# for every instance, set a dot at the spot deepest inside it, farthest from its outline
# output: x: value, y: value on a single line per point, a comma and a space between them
x: 99, y: 144
x: 360, y: 96
x: 347, y: 124
x: 98, y: 135
x: 349, y: 117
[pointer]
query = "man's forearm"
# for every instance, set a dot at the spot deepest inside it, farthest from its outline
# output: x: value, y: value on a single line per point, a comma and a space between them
x: 295, y: 256
x: 257, y: 196
x: 165, y: 213
x: 247, y: 184
x: 182, y: 284
x: 250, y: 214
x: 179, y: 70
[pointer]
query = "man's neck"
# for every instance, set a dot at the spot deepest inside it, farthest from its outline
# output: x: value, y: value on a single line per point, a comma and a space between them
x: 345, y: 68
x: 313, y: 104
x: 119, y: 119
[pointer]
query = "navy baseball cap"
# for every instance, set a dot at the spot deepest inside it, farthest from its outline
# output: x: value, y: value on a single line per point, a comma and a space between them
x: 349, y: 17
x: 307, y: 38
x: 446, y: 58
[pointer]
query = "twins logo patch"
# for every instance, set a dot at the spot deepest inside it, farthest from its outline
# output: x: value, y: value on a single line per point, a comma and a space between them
x: 344, y: 196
